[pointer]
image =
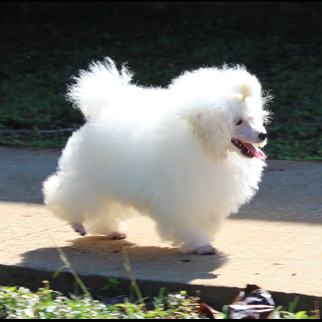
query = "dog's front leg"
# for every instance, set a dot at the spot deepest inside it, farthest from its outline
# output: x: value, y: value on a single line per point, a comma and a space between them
x: 206, y: 250
x: 198, y: 241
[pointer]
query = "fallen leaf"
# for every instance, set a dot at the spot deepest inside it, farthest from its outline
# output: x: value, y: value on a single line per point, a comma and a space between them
x: 254, y: 302
x: 209, y: 311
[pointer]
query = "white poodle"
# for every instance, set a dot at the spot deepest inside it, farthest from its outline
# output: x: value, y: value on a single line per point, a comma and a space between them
x: 187, y: 156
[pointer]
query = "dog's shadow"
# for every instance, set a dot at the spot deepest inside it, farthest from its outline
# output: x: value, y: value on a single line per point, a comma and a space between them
x: 100, y: 255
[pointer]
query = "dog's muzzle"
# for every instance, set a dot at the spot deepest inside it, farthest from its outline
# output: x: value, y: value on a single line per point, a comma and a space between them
x: 248, y: 150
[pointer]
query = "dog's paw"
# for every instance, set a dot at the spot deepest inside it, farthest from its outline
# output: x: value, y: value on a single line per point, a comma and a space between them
x: 117, y: 235
x: 206, y: 250
x: 79, y: 228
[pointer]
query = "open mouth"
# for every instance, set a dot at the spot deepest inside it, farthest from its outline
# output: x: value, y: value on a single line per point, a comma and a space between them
x: 249, y: 150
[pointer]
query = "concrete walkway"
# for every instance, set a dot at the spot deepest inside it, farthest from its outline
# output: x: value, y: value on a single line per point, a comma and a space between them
x: 274, y: 242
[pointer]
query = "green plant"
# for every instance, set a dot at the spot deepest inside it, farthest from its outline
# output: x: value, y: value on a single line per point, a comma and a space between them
x: 20, y: 303
x: 290, y: 313
x: 110, y: 288
x: 134, y: 285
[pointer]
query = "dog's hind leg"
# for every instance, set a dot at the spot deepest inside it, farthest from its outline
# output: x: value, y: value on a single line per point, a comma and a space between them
x: 106, y: 222
x: 79, y: 228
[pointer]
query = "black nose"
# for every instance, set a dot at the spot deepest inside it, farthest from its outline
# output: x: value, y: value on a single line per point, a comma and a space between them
x: 262, y: 136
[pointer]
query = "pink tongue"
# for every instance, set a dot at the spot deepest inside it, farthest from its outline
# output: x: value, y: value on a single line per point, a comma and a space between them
x: 257, y: 153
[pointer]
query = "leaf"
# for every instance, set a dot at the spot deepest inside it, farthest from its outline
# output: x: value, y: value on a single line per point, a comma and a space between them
x: 29, y: 312
x: 301, y: 315
x: 209, y: 311
x: 58, y: 270
x: 51, y: 308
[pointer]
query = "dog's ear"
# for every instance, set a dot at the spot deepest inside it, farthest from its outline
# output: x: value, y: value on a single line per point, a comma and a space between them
x: 213, y: 127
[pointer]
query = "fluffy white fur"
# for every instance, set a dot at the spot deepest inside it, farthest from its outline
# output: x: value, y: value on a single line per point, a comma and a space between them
x: 167, y: 153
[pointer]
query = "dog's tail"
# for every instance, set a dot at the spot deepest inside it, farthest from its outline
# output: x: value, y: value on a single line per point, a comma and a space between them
x: 96, y: 87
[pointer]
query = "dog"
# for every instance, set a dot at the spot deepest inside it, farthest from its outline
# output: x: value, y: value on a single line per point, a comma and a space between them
x: 187, y: 156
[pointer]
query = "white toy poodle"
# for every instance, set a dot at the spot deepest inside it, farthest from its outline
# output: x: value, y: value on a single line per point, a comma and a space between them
x: 187, y: 155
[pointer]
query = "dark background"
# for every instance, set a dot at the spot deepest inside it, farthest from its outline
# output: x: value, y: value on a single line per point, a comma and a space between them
x: 44, y: 44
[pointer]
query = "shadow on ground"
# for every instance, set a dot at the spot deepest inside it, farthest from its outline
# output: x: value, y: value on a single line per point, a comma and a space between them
x: 100, y: 255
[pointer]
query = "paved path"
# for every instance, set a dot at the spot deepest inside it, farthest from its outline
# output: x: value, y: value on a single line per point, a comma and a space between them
x: 274, y: 242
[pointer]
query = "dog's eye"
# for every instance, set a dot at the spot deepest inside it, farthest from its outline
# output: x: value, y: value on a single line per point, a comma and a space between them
x: 239, y: 122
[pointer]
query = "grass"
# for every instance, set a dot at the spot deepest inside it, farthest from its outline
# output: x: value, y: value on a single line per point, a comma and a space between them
x: 44, y: 45
x: 21, y: 303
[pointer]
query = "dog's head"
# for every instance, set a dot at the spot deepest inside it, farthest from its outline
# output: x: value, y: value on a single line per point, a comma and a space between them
x: 230, y: 116
x: 248, y: 130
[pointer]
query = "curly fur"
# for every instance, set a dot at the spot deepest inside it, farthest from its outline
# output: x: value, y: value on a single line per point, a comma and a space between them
x: 167, y: 153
